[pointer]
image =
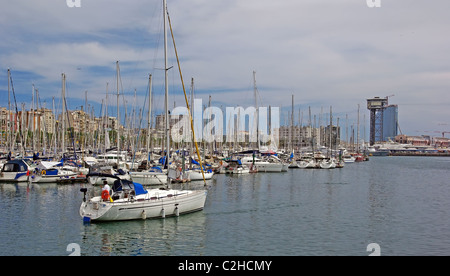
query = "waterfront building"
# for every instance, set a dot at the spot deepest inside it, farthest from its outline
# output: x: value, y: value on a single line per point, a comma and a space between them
x: 383, y: 120
x: 297, y: 137
x: 423, y: 141
x: 390, y: 122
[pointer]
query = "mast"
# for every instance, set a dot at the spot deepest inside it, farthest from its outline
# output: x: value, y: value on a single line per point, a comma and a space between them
x: 53, y: 127
x: 8, y: 121
x: 166, y: 62
x: 118, y: 115
x: 256, y: 108
x: 85, y: 122
x: 331, y: 130
x: 291, y: 135
x: 357, y: 133
x: 63, y: 112
x: 192, y: 150
x: 149, y: 126
x: 107, y: 145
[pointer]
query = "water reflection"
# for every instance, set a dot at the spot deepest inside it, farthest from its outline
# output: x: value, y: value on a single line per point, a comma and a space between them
x: 184, y: 235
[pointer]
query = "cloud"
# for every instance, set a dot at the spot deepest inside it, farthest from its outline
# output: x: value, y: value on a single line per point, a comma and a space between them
x: 325, y: 52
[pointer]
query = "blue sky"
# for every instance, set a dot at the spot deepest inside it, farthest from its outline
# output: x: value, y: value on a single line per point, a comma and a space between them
x: 325, y: 52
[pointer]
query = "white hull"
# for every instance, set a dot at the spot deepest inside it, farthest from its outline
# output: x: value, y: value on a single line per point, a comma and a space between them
x: 156, y: 204
x: 149, y: 178
x: 305, y: 164
x: 60, y: 177
x: 327, y: 164
x: 269, y: 167
x: 294, y: 165
x: 349, y: 159
x: 13, y: 177
x: 237, y: 171
x: 198, y: 176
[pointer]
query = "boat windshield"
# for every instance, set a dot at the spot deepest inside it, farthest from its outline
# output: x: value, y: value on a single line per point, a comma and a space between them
x: 28, y: 161
x: 128, y: 186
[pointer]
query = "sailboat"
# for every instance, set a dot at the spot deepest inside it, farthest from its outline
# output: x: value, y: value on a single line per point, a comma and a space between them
x: 130, y: 201
x: 149, y: 177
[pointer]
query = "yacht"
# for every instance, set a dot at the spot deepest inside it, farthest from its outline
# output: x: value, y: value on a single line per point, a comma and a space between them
x: 19, y: 170
x: 130, y: 201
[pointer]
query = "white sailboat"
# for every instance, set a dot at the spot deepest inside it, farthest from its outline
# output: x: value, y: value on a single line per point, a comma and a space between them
x: 307, y: 163
x: 197, y: 175
x: 129, y: 201
x: 149, y: 178
x: 327, y: 163
x: 51, y: 173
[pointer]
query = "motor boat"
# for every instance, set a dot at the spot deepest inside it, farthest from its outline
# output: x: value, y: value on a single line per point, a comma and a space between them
x: 19, y: 170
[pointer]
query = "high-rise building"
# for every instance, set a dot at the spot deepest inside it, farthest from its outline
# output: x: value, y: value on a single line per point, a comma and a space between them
x: 390, y: 122
x: 383, y: 120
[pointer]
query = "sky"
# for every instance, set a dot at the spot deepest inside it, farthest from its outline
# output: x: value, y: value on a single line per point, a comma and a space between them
x: 324, y: 52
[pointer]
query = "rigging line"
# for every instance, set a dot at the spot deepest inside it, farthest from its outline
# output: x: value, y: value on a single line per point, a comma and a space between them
x: 138, y: 130
x: 186, y: 98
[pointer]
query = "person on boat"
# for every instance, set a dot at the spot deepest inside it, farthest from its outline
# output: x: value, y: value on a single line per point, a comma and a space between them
x: 106, y: 187
x: 106, y: 192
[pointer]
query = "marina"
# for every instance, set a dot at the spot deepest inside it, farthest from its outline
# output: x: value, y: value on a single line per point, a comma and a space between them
x: 398, y: 202
x: 96, y: 163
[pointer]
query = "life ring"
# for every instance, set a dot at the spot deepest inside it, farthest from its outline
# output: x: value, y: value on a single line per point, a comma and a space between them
x: 44, y: 172
x: 105, y: 195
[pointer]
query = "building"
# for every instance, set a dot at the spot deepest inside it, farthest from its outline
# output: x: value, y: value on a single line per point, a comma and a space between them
x: 424, y: 141
x: 297, y: 137
x: 413, y: 140
x: 383, y: 120
x: 390, y: 123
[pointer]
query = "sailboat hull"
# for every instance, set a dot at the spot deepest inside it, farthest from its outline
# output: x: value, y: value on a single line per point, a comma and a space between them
x: 149, y: 178
x: 156, y: 204
x: 196, y: 175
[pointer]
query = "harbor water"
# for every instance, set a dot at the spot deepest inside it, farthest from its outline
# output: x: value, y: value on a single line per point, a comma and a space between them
x: 400, y: 203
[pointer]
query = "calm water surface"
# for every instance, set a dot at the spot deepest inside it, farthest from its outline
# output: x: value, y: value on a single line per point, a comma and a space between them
x: 401, y: 203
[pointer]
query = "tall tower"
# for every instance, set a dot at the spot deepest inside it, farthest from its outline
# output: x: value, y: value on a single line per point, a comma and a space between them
x: 376, y: 107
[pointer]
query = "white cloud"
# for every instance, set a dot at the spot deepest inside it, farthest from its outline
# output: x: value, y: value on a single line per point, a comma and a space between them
x: 325, y: 52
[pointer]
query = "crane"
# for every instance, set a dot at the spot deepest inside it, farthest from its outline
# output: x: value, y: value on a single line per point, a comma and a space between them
x: 390, y: 96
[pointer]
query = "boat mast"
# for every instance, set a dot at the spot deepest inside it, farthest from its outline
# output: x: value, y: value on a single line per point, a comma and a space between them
x: 149, y: 126
x: 8, y: 120
x: 166, y: 84
x: 118, y: 116
x: 291, y: 131
x: 357, y: 133
x: 63, y: 113
x: 255, y: 88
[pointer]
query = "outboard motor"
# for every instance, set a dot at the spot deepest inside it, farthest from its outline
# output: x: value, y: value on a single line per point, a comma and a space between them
x: 84, y: 191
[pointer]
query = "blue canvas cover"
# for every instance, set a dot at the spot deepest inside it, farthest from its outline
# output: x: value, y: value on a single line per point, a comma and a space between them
x: 139, y: 189
x: 120, y: 185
